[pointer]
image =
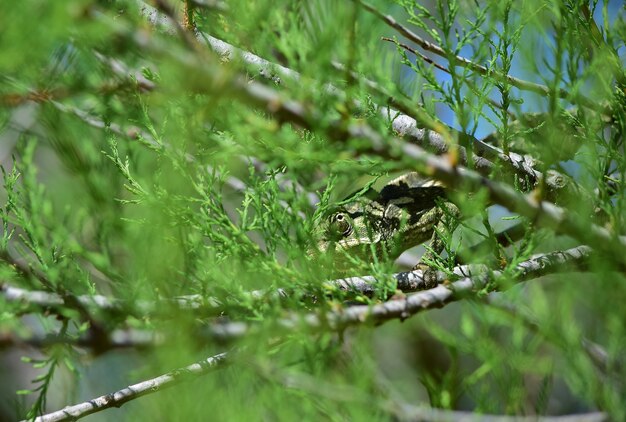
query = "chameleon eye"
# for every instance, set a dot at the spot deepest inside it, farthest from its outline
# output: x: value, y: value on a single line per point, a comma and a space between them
x: 340, y: 225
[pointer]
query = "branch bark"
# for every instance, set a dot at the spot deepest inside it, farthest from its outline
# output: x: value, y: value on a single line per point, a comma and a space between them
x: 132, y: 392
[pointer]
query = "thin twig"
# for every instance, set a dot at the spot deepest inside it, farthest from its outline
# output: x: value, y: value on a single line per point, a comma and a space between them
x: 430, y: 61
x: 425, y: 414
x: 596, y: 353
x: 132, y: 392
x: 418, y: 54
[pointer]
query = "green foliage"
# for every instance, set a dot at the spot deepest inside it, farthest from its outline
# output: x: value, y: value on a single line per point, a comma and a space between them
x: 141, y: 167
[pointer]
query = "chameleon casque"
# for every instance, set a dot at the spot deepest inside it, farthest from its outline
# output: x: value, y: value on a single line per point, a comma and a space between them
x: 407, y: 211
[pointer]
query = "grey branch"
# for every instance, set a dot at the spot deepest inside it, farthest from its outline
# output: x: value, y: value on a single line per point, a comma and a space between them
x: 45, y: 299
x: 472, y: 282
x: 37, y: 299
x: 412, y: 281
x: 425, y: 414
x: 100, y: 343
x: 132, y: 392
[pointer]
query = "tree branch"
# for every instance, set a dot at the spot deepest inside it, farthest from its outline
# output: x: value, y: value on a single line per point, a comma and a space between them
x: 474, y: 279
x: 441, y: 295
x: 132, y: 392
x: 98, y: 343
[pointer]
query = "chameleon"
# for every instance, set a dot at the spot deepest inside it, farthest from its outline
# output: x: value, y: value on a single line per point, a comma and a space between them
x: 408, y: 211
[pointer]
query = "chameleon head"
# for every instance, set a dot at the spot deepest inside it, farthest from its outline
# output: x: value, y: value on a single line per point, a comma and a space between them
x: 379, y: 224
x: 350, y: 231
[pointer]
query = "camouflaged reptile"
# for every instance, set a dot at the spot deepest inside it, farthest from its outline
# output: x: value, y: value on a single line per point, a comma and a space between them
x: 407, y: 211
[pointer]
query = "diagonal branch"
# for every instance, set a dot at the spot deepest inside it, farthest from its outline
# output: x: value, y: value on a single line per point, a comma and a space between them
x: 406, y: 122
x: 303, y: 382
x: 132, y: 392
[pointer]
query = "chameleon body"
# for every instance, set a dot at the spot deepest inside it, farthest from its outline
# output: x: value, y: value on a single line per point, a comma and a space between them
x: 408, y: 211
